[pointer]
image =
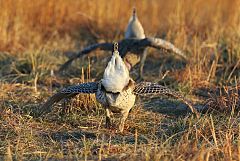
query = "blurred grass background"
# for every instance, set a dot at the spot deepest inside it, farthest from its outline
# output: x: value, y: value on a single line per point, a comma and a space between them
x: 208, y: 31
x: 31, y: 24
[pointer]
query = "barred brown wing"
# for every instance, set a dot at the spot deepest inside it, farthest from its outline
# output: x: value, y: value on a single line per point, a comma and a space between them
x: 148, y: 88
x: 90, y: 87
x: 68, y: 92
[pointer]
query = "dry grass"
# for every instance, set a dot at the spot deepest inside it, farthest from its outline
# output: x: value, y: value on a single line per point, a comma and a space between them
x: 34, y: 24
x: 33, y: 36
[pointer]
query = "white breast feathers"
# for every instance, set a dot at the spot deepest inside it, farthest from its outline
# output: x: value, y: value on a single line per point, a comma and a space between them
x: 116, y: 75
x: 134, y: 28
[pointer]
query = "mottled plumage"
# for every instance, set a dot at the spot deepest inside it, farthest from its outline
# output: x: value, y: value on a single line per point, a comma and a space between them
x: 114, y: 101
x: 134, y: 41
x: 90, y: 87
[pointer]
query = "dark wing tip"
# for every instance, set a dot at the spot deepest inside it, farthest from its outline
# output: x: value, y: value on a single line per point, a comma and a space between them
x: 88, y: 49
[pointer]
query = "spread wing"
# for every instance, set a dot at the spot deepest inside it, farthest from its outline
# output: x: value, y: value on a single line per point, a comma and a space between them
x: 100, y: 46
x: 128, y: 45
x: 90, y: 87
x: 68, y: 92
x: 148, y: 88
x: 162, y: 44
x: 135, y: 45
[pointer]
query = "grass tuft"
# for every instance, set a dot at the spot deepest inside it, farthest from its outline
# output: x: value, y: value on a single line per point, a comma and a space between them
x: 34, y: 39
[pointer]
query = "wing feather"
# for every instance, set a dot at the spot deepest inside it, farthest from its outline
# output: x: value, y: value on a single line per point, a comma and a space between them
x: 128, y: 45
x: 68, y: 92
x: 137, y: 45
x: 88, y: 49
x: 163, y: 44
x: 148, y: 88
x: 90, y: 87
